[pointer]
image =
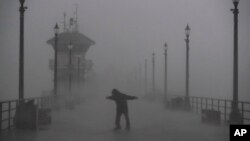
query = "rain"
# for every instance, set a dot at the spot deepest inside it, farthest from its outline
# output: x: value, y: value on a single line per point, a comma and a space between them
x: 113, y: 43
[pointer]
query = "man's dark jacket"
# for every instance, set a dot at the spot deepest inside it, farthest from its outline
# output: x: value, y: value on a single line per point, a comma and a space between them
x: 121, y: 101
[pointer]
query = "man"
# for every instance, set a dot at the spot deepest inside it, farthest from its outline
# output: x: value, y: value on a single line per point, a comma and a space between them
x: 121, y: 107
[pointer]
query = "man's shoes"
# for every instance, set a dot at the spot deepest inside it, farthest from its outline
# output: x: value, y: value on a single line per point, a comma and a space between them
x: 128, y: 128
x: 117, y: 128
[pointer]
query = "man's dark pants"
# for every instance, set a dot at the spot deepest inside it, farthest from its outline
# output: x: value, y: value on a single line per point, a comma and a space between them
x: 118, y: 118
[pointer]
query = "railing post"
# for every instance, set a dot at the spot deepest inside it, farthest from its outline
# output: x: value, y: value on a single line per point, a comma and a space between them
x: 38, y: 102
x: 50, y: 101
x: 225, y: 111
x: 1, y: 117
x: 206, y: 103
x: 201, y: 103
x: 212, y: 105
x: 218, y: 105
x: 9, y: 114
x: 42, y: 102
x: 197, y: 100
x: 192, y: 98
x: 47, y: 101
x: 16, y: 106
x: 242, y: 112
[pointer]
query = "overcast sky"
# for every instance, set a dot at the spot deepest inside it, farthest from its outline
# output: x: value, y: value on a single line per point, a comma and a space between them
x: 126, y: 32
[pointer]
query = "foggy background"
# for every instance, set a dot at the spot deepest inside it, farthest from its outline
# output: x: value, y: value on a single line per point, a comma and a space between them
x: 126, y: 33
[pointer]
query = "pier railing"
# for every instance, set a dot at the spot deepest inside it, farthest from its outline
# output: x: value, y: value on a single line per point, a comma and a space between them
x: 224, y: 106
x: 8, y: 110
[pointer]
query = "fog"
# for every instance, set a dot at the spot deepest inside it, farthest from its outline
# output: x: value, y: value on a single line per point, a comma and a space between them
x: 126, y: 33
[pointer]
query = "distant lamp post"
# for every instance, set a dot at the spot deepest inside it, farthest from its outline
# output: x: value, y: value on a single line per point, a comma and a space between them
x: 56, y: 31
x: 21, y: 52
x: 165, y: 78
x: 140, y: 77
x: 70, y: 47
x: 146, y: 79
x: 235, y: 116
x: 153, y: 73
x: 187, y: 31
x: 78, y: 69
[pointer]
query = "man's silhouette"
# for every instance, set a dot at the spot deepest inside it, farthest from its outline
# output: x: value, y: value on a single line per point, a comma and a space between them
x: 121, y: 107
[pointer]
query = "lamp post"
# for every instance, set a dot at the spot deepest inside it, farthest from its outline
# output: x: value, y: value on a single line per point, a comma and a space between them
x: 70, y: 47
x: 56, y: 31
x: 153, y: 73
x: 78, y: 69
x: 165, y: 78
x: 187, y: 31
x: 235, y: 116
x: 140, y: 77
x: 146, y: 79
x: 21, y: 52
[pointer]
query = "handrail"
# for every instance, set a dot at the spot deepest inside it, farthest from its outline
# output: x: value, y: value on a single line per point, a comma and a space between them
x: 8, y: 108
x: 222, y: 105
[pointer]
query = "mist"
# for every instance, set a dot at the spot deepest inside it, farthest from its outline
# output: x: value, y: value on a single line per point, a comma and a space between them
x: 126, y: 33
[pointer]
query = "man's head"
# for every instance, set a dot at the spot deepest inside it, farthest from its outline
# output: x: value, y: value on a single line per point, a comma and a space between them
x: 115, y: 92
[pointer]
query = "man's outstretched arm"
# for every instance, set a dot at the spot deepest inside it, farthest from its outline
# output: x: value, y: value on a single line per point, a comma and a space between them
x: 110, y: 97
x: 131, y: 97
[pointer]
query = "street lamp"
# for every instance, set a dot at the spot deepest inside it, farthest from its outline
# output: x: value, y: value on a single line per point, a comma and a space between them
x: 140, y: 77
x: 153, y: 73
x: 70, y: 47
x: 146, y: 79
x: 21, y: 52
x: 56, y: 31
x: 187, y: 31
x: 78, y: 68
x: 235, y: 116
x: 165, y: 79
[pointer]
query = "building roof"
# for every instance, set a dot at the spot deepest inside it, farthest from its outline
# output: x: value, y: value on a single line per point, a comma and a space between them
x: 78, y: 40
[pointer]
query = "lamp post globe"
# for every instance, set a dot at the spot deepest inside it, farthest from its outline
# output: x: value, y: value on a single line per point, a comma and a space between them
x: 21, y: 2
x: 165, y: 46
x: 236, y: 1
x: 187, y: 30
x: 56, y: 29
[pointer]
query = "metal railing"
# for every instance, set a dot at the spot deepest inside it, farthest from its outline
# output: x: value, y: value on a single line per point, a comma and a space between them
x: 223, y: 105
x: 8, y: 110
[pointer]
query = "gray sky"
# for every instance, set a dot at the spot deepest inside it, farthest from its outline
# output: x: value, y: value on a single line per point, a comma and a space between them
x: 126, y: 33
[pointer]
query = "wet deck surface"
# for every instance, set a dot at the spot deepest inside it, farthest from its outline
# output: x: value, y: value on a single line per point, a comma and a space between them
x: 94, y: 121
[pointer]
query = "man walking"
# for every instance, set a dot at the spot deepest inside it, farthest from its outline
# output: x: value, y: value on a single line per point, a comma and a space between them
x: 121, y: 107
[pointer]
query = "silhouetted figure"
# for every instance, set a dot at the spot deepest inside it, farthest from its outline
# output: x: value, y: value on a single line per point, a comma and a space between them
x: 121, y: 107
